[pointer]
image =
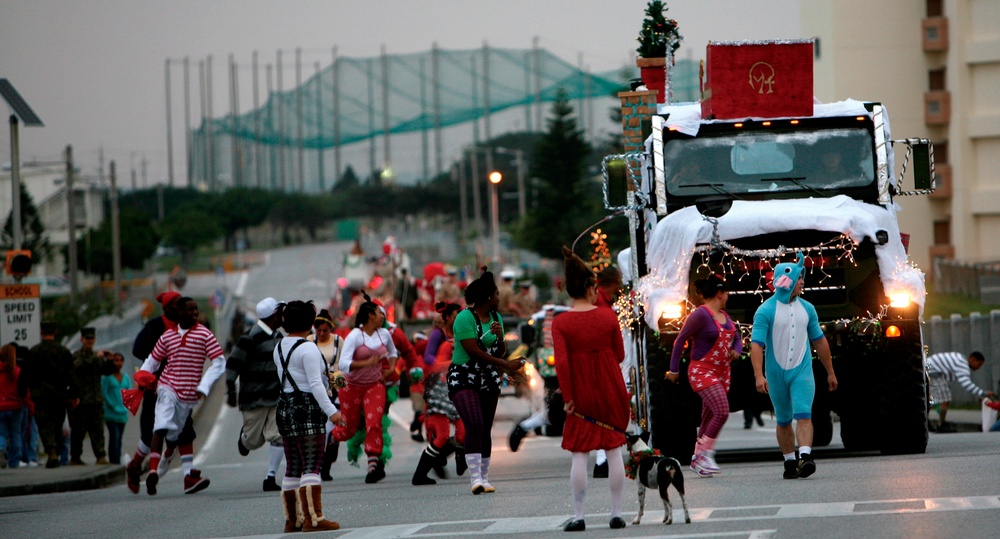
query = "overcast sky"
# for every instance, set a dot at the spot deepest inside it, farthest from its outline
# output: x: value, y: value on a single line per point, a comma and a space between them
x: 93, y: 70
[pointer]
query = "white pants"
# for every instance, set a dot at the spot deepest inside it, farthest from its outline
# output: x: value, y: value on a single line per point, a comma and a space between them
x: 171, y: 413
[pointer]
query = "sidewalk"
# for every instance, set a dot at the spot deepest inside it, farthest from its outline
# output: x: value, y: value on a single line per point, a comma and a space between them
x: 41, y: 480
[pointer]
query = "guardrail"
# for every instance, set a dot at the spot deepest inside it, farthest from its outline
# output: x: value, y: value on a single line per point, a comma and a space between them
x: 118, y: 333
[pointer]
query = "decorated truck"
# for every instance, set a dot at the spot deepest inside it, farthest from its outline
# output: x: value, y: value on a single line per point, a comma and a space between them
x: 744, y: 179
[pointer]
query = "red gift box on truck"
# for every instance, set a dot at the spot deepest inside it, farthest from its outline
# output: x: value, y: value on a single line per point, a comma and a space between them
x: 759, y: 79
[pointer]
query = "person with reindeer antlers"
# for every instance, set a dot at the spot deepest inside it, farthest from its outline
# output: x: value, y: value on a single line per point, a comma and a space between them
x: 588, y: 350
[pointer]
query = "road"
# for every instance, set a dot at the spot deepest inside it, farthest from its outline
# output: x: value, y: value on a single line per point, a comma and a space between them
x: 301, y: 272
x: 950, y: 491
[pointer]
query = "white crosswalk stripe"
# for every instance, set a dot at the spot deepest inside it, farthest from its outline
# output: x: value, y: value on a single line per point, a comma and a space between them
x: 547, y: 524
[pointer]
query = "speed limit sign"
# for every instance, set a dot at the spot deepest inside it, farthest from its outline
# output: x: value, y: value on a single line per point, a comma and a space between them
x: 20, y: 314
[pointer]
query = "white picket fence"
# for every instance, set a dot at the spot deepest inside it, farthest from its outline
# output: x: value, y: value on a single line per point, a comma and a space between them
x: 964, y: 335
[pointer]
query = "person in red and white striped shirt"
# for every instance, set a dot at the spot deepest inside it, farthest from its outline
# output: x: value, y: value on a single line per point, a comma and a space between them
x: 181, y: 386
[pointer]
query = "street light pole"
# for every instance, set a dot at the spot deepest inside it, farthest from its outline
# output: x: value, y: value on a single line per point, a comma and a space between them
x: 495, y: 178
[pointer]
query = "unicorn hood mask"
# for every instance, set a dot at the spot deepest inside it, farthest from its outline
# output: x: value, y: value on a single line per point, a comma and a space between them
x: 786, y: 275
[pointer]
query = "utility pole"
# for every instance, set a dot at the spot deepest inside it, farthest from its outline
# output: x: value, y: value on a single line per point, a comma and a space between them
x: 170, y: 131
x: 300, y: 119
x: 187, y: 123
x: 116, y: 242
x: 71, y: 227
x: 15, y: 181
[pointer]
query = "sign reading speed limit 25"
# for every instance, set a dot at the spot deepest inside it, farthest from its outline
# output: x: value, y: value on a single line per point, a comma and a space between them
x: 20, y: 314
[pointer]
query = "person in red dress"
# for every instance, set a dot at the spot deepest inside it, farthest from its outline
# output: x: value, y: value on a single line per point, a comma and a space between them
x: 588, y: 350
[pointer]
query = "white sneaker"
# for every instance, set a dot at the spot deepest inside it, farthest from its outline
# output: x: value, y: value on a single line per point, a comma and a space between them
x: 708, y: 459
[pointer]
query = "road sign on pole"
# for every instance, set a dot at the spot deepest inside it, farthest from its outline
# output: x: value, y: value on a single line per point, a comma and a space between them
x: 20, y: 314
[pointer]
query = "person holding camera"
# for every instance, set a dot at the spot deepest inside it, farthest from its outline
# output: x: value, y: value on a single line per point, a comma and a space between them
x: 87, y: 417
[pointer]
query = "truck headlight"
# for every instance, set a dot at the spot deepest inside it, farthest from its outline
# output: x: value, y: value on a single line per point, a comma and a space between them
x: 671, y: 311
x: 899, y: 299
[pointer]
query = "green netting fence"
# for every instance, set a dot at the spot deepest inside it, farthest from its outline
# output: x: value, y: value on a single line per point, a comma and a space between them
x: 294, y: 139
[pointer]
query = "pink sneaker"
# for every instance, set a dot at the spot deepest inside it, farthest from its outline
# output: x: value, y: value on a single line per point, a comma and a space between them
x: 700, y: 466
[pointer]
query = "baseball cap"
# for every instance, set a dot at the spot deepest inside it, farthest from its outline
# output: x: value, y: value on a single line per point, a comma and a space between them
x: 266, y: 308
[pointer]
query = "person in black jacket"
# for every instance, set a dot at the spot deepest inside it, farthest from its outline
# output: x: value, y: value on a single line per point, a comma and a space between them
x: 141, y: 348
x: 252, y: 361
x: 48, y: 374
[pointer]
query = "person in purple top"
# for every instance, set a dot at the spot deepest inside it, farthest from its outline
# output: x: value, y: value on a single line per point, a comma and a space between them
x: 715, y: 342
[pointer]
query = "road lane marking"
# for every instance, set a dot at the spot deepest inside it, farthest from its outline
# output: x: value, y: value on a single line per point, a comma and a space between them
x: 213, y: 436
x: 547, y: 524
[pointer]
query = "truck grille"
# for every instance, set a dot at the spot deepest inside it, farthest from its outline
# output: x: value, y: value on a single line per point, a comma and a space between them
x: 837, y: 284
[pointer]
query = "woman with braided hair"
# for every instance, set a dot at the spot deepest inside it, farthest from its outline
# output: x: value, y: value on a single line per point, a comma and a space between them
x: 474, y: 375
x: 588, y: 353
x: 367, y: 357
x: 440, y: 412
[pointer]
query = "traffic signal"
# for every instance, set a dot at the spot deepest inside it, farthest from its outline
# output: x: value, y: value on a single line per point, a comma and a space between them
x: 18, y: 263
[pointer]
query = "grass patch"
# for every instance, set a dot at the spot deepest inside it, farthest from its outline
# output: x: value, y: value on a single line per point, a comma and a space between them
x: 944, y: 305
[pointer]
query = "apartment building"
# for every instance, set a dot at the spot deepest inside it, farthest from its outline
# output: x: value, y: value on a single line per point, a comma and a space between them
x: 936, y: 65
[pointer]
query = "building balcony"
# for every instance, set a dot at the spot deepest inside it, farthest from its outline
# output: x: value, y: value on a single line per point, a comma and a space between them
x: 935, y: 34
x: 937, y: 107
x: 942, y: 173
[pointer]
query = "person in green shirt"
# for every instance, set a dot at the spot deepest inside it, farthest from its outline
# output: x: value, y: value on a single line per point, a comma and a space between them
x: 474, y: 375
x: 115, y: 413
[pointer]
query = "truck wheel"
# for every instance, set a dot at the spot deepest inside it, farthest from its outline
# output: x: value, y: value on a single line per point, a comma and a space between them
x: 822, y: 429
x: 821, y: 419
x: 903, y: 429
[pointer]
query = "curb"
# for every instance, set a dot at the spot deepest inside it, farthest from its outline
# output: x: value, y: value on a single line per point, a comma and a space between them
x: 95, y: 481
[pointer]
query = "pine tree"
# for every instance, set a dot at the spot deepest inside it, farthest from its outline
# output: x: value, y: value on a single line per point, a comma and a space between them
x: 33, y: 231
x: 566, y: 202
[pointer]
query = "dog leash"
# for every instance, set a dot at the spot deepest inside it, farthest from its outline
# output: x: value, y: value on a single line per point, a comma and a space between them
x: 598, y: 423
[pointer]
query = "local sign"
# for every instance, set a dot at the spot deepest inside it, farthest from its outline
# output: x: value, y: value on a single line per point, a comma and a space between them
x: 20, y: 314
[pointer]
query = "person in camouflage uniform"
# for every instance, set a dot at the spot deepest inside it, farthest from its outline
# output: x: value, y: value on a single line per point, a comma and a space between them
x: 48, y: 371
x: 87, y: 417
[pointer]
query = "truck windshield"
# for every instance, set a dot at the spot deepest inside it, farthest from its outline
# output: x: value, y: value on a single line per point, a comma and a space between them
x: 817, y: 161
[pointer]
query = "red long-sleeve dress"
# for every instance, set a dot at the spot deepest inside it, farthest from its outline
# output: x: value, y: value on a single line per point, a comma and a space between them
x: 588, y: 351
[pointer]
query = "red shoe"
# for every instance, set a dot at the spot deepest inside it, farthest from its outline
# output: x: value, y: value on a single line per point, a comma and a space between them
x: 132, y: 476
x: 195, y: 482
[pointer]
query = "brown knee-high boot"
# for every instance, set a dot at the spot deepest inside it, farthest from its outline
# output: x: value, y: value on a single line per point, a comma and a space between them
x: 315, y: 521
x: 293, y: 510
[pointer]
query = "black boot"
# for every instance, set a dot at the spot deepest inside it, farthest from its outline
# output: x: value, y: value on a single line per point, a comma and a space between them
x: 442, y: 460
x: 427, y: 460
x: 329, y: 457
x: 415, y: 427
x: 460, y: 464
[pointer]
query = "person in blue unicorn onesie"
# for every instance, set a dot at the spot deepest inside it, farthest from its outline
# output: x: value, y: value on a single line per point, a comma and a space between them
x: 783, y: 328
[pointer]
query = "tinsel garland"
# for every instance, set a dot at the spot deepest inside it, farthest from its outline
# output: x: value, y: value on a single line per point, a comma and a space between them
x: 635, y: 457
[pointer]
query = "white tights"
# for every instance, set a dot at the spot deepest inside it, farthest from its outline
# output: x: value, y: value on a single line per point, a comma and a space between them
x: 616, y: 481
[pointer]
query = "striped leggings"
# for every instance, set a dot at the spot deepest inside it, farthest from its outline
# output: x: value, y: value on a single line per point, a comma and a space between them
x: 477, y: 411
x: 714, y: 410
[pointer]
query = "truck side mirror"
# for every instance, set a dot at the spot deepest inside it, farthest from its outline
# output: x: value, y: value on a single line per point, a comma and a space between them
x: 923, y: 165
x: 617, y: 183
